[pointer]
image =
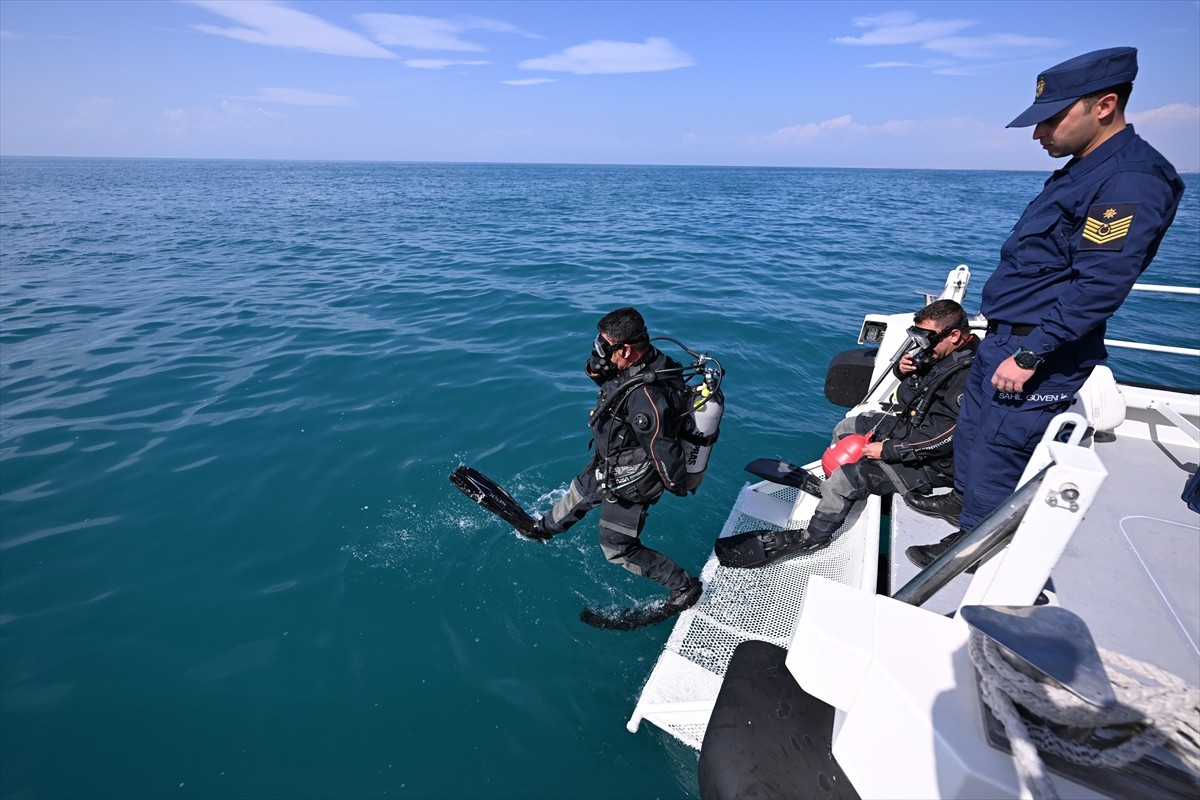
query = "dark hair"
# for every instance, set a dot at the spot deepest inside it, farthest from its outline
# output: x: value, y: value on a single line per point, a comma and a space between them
x: 946, y: 314
x: 624, y: 326
x: 1121, y: 90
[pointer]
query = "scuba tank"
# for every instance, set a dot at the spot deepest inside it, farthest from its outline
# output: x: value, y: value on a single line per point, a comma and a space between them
x: 707, y: 407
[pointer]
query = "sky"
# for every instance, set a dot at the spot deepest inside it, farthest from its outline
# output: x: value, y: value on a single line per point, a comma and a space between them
x: 795, y: 84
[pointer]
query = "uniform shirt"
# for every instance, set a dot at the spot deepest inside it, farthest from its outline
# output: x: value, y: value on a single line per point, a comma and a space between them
x: 1083, y: 242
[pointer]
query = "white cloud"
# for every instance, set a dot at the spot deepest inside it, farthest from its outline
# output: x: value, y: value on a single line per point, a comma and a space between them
x: 1174, y: 114
x: 996, y: 45
x: 902, y: 27
x: 229, y: 117
x: 440, y: 63
x: 841, y: 127
x: 809, y: 131
x: 602, y: 57
x: 529, y: 81
x: 298, y: 97
x: 429, y: 33
x: 5, y: 34
x: 939, y: 35
x: 277, y: 25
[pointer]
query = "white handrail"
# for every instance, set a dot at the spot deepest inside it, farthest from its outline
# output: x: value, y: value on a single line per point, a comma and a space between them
x: 1159, y: 287
x: 1170, y: 413
x: 1158, y: 348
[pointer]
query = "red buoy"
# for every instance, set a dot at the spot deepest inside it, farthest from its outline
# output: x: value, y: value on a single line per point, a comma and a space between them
x: 847, y: 450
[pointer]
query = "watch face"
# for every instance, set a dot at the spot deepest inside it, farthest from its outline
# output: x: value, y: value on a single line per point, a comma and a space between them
x: 1026, y: 360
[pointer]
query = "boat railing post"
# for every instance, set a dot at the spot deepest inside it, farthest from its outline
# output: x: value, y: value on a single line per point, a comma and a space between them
x: 988, y: 537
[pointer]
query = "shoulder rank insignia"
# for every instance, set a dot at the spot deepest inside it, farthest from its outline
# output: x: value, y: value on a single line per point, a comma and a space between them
x: 1107, y: 226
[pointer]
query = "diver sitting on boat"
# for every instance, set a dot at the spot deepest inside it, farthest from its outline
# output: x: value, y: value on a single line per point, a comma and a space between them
x: 916, y: 452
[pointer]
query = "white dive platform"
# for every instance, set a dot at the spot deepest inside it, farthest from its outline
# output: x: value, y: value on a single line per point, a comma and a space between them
x: 1101, y: 531
x: 742, y: 604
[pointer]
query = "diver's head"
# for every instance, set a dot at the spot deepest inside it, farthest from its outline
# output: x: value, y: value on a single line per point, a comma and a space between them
x: 938, y: 330
x: 622, y: 338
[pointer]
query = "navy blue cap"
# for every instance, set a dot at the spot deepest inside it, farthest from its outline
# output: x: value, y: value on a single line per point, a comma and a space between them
x: 1063, y: 84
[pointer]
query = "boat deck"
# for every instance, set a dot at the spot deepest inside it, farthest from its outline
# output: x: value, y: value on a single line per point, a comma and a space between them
x: 1132, y: 569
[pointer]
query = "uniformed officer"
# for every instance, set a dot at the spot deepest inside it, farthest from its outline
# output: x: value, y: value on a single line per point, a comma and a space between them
x: 639, y: 453
x: 1065, y: 269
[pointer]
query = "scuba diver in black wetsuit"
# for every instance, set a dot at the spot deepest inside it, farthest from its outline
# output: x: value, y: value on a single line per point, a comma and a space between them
x: 639, y: 435
x: 916, y: 452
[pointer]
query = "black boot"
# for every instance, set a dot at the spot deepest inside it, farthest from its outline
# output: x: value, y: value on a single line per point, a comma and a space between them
x: 820, y: 530
x: 943, y: 506
x: 686, y: 596
x: 924, y: 554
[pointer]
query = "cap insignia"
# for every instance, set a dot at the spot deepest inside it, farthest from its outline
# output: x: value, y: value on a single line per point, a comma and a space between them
x: 1041, y: 86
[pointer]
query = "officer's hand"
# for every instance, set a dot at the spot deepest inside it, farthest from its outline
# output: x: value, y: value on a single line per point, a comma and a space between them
x: 906, y: 364
x: 873, y: 450
x: 1009, y: 377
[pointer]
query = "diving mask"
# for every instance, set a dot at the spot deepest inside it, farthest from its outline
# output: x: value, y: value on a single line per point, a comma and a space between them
x: 604, y: 349
x: 922, y: 342
x: 923, y: 339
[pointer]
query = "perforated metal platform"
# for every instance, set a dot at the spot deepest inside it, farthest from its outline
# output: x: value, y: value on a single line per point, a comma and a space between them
x: 741, y: 604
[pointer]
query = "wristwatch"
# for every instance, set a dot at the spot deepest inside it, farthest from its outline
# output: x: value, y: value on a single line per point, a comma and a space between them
x: 1027, y: 359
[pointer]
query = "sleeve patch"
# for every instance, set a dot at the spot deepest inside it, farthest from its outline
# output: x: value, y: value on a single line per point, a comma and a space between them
x: 1107, y: 226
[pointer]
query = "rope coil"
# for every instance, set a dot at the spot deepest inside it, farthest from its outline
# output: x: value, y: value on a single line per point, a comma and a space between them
x: 1165, y: 712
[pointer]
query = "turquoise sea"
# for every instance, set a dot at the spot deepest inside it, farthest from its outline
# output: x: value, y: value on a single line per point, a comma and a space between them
x: 231, y: 564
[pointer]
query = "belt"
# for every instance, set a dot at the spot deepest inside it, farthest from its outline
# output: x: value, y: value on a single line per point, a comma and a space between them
x: 1010, y: 330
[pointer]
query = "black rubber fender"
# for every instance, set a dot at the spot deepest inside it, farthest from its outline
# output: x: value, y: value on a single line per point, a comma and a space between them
x: 767, y: 737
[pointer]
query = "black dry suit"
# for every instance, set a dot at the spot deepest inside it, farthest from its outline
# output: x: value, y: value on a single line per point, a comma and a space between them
x: 636, y: 428
x: 922, y: 433
x: 918, y: 441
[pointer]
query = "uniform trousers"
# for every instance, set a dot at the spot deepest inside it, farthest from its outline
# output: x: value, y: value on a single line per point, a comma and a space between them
x: 998, y: 431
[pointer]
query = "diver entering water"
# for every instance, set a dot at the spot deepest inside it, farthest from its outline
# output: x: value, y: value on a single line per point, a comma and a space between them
x: 915, y: 450
x: 652, y: 431
x: 638, y: 432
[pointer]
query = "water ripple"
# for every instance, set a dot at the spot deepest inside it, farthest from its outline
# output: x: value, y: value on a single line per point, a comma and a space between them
x: 230, y: 394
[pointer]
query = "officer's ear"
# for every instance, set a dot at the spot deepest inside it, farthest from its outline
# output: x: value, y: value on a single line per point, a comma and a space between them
x: 1104, y: 106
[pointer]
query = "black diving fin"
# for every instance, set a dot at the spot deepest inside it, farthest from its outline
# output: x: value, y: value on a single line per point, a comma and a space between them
x: 488, y: 494
x: 785, y: 474
x: 762, y: 547
x: 629, y: 619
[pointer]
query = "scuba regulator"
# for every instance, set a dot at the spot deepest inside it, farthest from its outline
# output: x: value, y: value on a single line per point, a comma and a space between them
x: 926, y: 340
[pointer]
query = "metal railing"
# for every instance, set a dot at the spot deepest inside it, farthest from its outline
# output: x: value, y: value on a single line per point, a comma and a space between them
x: 988, y: 538
x: 1158, y: 348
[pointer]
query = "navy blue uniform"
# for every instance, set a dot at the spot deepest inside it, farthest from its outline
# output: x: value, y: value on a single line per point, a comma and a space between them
x: 1068, y: 265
